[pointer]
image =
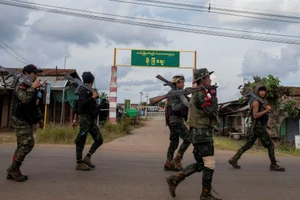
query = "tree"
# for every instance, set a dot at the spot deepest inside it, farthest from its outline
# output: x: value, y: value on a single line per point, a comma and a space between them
x: 277, y: 97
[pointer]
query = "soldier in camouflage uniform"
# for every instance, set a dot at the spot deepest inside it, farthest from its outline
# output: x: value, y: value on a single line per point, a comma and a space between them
x: 25, y: 113
x: 176, y: 112
x: 258, y: 130
x: 87, y: 121
x: 201, y: 119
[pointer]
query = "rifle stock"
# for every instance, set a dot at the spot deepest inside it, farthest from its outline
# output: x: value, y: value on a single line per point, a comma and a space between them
x: 155, y: 100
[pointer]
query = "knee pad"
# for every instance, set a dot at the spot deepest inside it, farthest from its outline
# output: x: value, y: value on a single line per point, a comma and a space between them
x: 209, y: 162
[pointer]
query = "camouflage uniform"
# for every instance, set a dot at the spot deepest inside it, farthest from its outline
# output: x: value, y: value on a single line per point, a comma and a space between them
x: 176, y: 111
x: 258, y: 130
x: 87, y: 122
x: 202, y: 118
x: 25, y: 114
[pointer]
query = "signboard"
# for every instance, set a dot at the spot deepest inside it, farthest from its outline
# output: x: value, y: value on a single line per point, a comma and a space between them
x: 153, y: 58
x: 47, y: 93
x: 127, y: 104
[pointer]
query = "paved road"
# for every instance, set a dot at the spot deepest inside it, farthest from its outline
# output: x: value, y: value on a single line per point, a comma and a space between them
x: 131, y: 168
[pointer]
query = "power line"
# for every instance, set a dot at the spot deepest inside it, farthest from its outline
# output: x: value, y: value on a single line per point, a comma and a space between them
x: 168, y: 22
x: 222, y: 9
x: 13, y: 50
x: 144, y: 24
x: 17, y: 58
x: 207, y: 9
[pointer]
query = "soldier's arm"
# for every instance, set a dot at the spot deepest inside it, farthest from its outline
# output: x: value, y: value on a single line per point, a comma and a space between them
x: 176, y: 104
x: 208, y: 105
x: 25, y: 94
x: 255, y: 107
x: 84, y: 98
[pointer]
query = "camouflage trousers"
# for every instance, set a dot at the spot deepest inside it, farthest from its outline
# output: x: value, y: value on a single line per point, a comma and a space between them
x: 258, y: 131
x: 204, y: 156
x: 178, y: 130
x: 25, y: 139
x: 87, y: 125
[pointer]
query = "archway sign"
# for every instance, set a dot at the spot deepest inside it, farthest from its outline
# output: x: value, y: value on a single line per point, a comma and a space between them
x: 143, y: 58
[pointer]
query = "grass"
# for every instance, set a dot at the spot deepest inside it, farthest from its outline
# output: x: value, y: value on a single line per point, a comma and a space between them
x: 54, y: 134
x: 226, y: 143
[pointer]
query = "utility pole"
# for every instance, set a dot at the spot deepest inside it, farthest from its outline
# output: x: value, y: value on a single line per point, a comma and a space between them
x: 141, y: 97
x: 146, y: 99
x: 65, y: 62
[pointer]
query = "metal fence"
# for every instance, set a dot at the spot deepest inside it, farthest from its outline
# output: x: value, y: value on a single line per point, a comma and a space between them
x: 155, y: 115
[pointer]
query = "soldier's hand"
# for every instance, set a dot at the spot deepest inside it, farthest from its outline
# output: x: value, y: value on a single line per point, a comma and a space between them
x: 41, y: 123
x: 74, y: 123
x: 36, y: 84
x: 95, y: 95
x: 268, y: 108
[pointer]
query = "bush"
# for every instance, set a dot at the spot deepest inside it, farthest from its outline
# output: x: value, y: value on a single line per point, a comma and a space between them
x: 66, y: 134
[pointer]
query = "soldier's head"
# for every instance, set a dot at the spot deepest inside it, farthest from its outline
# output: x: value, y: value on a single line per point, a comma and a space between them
x: 202, y: 77
x: 178, y: 81
x: 261, y: 90
x: 88, y: 78
x: 31, y: 70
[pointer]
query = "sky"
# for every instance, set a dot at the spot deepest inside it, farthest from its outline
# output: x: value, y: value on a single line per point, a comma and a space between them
x: 46, y: 39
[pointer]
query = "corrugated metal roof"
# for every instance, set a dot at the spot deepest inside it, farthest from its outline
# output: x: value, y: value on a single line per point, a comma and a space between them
x: 60, y: 83
x: 56, y: 84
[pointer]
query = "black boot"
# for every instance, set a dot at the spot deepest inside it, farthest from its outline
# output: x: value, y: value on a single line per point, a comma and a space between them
x: 169, y: 166
x: 206, y: 194
x: 234, y: 163
x: 14, y: 172
x: 275, y: 167
x: 173, y: 182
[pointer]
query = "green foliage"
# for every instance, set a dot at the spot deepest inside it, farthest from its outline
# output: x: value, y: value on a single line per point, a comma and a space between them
x: 289, y: 107
x: 66, y: 134
x: 275, y: 90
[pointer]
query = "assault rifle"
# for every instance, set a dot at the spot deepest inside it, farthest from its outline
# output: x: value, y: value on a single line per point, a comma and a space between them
x: 17, y: 77
x: 79, y: 84
x: 167, y: 83
x: 177, y: 92
x: 253, y: 97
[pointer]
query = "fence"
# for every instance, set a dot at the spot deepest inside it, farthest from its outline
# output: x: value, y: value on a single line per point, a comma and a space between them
x: 155, y: 115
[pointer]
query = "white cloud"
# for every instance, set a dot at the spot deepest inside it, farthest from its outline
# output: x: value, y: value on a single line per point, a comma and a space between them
x: 45, y: 39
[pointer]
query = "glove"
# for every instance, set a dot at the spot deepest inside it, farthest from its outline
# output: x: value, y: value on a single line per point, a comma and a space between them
x: 208, y: 101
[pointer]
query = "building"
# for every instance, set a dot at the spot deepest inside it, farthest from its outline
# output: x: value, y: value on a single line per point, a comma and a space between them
x: 61, y: 99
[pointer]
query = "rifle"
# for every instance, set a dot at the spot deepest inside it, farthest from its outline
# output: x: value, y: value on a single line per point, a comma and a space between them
x: 18, y: 77
x: 171, y: 93
x: 167, y: 83
x: 177, y: 92
x: 79, y: 84
x: 253, y: 96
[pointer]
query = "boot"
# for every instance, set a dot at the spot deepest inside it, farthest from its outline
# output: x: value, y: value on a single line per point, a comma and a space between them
x: 87, y: 160
x: 206, y: 194
x: 14, y: 172
x: 173, y: 182
x: 169, y: 166
x: 9, y: 177
x: 275, y: 167
x: 234, y: 163
x: 177, y: 162
x: 82, y: 166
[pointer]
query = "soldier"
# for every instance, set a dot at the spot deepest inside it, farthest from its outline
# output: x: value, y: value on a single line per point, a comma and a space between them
x: 258, y: 130
x: 176, y: 112
x: 87, y: 121
x: 25, y: 113
x: 201, y: 118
